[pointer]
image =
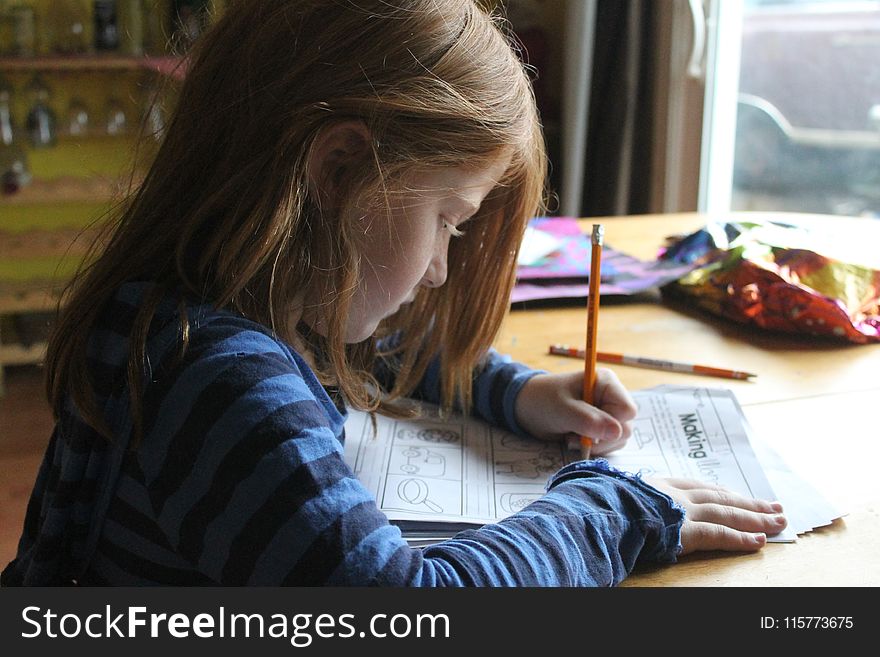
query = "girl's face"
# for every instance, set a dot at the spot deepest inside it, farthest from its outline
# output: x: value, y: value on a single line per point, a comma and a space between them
x: 407, y: 248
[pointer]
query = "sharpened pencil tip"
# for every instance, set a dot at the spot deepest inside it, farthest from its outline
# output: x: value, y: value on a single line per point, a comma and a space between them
x: 586, y: 448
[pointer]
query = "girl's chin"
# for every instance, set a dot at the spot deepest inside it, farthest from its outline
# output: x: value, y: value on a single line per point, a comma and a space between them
x: 367, y: 326
x: 362, y: 332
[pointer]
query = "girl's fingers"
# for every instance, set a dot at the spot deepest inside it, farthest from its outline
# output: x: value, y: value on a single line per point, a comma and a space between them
x: 691, y: 484
x: 709, y: 536
x: 593, y: 422
x: 718, y: 519
x: 737, y: 518
x: 725, y: 497
x: 611, y: 395
x: 607, y: 418
x: 608, y: 446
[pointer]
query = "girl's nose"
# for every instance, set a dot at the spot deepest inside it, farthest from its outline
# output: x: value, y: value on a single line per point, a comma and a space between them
x: 435, y: 276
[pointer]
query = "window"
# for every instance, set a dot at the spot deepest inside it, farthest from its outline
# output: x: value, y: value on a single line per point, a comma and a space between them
x: 807, y: 107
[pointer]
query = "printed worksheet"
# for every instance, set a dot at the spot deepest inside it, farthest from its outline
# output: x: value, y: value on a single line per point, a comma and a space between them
x: 461, y: 471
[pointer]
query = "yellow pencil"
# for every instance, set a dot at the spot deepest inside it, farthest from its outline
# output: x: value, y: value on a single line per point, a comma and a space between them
x: 592, y: 325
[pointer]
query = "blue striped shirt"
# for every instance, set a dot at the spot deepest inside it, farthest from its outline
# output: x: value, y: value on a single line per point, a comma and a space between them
x: 240, y: 480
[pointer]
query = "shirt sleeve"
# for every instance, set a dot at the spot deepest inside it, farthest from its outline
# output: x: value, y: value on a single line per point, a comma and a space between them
x: 247, y: 482
x: 590, y: 529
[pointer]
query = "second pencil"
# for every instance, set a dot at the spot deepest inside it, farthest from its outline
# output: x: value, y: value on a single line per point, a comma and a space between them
x: 652, y: 363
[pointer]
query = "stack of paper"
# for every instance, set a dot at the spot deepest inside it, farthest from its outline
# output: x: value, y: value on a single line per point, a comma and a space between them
x: 434, y: 477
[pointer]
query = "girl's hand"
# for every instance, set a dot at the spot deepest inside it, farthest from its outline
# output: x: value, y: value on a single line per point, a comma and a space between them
x: 551, y: 407
x: 717, y: 519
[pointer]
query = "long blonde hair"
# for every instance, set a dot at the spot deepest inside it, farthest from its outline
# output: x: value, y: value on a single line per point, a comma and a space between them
x: 225, y: 216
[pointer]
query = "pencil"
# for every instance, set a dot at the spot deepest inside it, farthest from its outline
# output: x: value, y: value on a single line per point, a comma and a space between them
x: 652, y: 363
x: 592, y: 325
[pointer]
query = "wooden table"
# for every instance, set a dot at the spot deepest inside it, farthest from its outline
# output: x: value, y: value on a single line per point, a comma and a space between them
x: 814, y: 402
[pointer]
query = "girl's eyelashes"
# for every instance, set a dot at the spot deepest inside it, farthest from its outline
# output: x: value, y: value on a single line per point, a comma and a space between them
x: 455, y: 232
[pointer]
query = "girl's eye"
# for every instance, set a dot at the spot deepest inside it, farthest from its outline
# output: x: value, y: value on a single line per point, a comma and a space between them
x: 455, y: 232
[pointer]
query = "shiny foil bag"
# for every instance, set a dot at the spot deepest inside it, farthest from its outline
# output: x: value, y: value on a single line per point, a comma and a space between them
x: 781, y: 278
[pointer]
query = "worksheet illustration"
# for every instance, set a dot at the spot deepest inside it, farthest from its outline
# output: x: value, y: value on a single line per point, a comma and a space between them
x: 416, y: 495
x: 644, y: 452
x: 513, y: 502
x: 448, y: 469
x: 520, y: 460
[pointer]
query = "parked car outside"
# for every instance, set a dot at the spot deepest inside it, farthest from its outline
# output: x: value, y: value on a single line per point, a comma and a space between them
x: 808, y: 115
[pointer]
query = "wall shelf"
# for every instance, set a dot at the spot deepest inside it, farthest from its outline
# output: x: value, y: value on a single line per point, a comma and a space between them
x: 47, y: 225
x: 65, y: 189
x: 170, y: 66
x: 18, y: 354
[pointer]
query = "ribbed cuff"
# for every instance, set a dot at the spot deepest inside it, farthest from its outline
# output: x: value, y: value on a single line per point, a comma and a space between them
x: 672, y: 515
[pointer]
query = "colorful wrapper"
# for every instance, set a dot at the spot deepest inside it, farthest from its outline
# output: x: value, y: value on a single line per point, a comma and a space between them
x: 762, y: 274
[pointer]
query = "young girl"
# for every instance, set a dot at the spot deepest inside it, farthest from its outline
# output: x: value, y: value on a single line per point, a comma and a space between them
x: 332, y: 219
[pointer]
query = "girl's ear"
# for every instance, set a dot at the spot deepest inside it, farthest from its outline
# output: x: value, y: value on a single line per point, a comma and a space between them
x: 336, y: 152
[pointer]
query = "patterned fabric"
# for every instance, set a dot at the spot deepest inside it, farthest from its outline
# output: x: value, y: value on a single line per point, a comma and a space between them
x: 240, y: 480
x: 565, y: 272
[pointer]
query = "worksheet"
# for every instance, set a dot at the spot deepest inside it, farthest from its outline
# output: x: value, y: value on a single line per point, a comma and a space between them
x: 438, y: 473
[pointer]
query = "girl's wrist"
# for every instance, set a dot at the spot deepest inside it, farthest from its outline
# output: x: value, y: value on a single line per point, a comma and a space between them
x: 519, y: 416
